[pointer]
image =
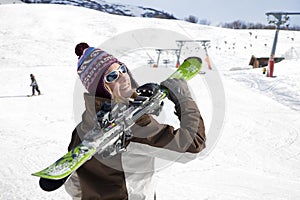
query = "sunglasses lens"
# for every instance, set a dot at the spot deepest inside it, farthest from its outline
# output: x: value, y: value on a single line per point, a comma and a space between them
x: 112, y: 76
x: 123, y: 69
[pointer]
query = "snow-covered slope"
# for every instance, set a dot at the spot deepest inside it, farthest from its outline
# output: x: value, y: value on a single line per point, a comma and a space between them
x: 257, y: 155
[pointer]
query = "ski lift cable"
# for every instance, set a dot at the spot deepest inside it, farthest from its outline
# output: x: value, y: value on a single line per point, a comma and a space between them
x: 142, y: 47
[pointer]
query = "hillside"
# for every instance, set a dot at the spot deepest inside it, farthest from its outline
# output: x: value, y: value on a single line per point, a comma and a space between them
x: 117, y: 9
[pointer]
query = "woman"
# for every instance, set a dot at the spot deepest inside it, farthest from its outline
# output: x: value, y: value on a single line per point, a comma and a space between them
x: 108, y: 80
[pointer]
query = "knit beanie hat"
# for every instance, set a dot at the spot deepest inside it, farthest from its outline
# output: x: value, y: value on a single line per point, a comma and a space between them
x: 92, y: 66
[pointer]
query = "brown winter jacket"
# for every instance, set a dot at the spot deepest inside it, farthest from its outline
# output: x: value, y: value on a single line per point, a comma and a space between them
x: 105, y: 179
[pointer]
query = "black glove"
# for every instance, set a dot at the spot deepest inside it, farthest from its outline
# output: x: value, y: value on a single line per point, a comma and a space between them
x: 148, y: 89
x: 145, y: 92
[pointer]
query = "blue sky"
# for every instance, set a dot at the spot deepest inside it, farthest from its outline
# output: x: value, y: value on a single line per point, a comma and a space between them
x: 217, y: 11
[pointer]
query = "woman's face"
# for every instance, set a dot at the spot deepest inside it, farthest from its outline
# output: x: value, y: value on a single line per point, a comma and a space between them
x: 121, y: 85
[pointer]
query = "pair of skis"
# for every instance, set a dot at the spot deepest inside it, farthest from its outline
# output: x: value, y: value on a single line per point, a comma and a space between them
x: 108, y: 137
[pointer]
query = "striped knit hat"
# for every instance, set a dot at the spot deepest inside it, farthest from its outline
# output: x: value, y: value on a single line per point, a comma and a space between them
x: 92, y: 66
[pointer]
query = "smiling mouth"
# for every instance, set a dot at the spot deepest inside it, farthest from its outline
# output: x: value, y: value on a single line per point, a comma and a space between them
x: 126, y: 86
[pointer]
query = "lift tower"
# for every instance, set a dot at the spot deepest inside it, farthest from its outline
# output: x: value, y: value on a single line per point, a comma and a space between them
x: 279, y: 18
x: 204, y: 43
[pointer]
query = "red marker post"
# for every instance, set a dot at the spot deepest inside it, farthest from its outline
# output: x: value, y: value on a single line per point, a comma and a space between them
x: 270, y: 68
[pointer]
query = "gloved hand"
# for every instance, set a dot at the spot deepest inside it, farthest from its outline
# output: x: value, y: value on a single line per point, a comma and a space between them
x: 145, y: 92
x: 178, y: 92
x: 148, y: 89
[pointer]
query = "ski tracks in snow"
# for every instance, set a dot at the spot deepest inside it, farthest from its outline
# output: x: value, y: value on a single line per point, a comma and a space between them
x: 273, y: 137
x: 282, y: 89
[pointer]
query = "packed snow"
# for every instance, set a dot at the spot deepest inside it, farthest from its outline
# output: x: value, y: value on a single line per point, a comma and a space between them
x: 257, y: 153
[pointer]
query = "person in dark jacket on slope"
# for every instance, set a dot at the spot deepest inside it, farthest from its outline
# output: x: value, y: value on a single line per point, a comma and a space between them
x: 34, y: 85
x: 115, y: 178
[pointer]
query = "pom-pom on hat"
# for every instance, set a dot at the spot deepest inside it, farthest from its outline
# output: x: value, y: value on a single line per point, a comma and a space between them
x: 80, y: 48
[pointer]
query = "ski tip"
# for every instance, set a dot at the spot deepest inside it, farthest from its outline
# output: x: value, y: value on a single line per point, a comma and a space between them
x: 46, y: 175
x: 39, y: 174
x: 49, y: 185
x: 36, y: 174
x: 194, y: 58
x: 34, y: 95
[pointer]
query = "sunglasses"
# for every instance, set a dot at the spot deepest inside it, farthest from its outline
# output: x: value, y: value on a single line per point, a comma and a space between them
x: 114, y: 75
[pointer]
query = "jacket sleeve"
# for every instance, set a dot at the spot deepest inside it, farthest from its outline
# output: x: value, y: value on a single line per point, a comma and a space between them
x: 75, y: 140
x: 190, y: 137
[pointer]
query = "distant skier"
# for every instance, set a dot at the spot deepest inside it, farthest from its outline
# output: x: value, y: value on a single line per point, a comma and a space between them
x: 34, y: 85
